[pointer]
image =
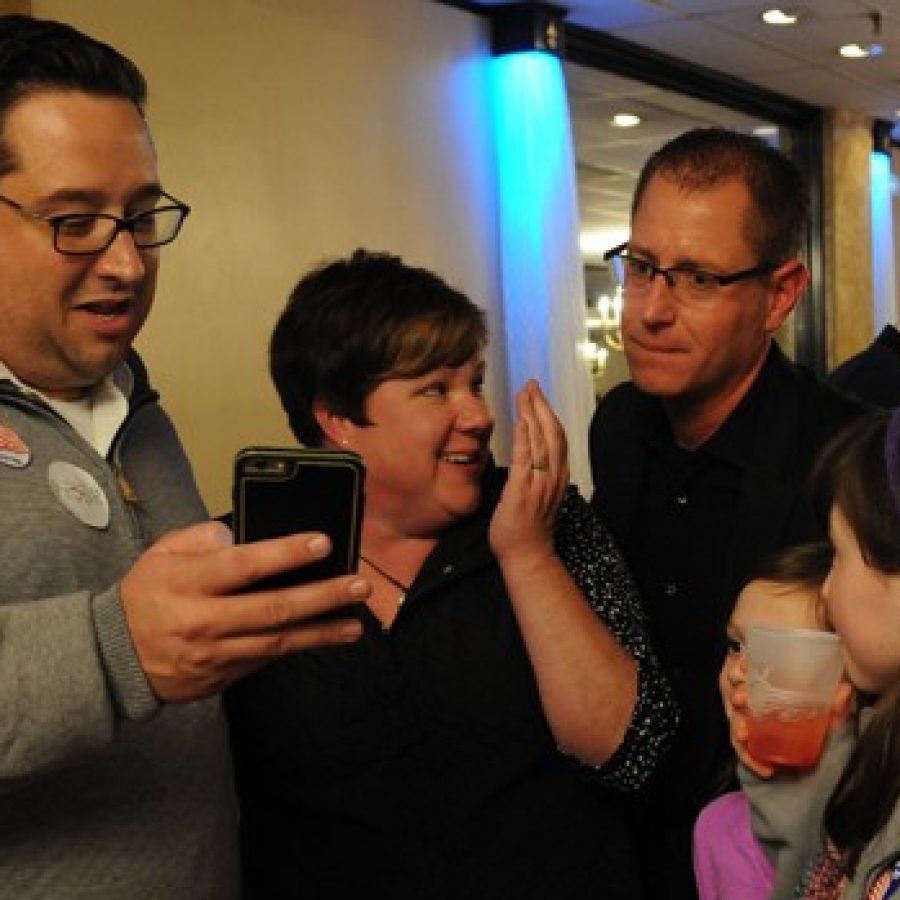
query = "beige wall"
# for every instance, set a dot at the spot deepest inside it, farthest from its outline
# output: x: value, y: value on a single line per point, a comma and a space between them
x: 297, y: 130
x: 848, y: 233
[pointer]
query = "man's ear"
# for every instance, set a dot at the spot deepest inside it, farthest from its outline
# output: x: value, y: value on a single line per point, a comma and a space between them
x: 789, y: 281
x: 335, y: 428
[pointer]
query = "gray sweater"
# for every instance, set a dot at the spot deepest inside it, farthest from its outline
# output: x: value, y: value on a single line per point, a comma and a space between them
x: 786, y: 810
x: 787, y: 818
x: 104, y: 792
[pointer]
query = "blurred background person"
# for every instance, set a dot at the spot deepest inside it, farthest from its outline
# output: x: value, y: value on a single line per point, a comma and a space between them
x: 873, y: 374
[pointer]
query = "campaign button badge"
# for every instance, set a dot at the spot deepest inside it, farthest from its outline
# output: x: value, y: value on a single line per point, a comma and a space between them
x: 79, y: 493
x: 13, y: 451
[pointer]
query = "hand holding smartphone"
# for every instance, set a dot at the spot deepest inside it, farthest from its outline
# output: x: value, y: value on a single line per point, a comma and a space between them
x: 286, y: 490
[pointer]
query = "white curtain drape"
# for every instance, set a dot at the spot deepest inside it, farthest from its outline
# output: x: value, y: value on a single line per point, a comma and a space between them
x: 884, y: 291
x: 541, y: 269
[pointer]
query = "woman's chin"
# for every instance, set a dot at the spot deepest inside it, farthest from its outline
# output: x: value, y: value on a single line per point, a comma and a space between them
x: 468, y: 505
x: 461, y: 504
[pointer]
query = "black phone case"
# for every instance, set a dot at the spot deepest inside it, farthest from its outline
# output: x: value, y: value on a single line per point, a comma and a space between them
x: 285, y: 490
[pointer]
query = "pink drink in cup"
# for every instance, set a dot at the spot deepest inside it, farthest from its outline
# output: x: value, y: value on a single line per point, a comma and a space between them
x: 792, y: 677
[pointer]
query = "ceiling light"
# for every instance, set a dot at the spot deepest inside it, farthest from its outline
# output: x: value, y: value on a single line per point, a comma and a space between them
x: 860, y: 51
x: 852, y: 51
x: 626, y: 120
x: 864, y: 51
x: 780, y: 17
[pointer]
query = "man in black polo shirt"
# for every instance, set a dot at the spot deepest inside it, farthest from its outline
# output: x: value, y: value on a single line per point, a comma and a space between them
x: 699, y: 461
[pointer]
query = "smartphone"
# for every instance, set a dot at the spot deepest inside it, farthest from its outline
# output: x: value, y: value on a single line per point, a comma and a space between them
x: 285, y: 490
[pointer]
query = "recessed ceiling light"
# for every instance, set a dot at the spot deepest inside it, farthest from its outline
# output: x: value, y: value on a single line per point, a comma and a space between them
x: 626, y: 120
x: 860, y: 51
x: 852, y: 51
x: 780, y: 17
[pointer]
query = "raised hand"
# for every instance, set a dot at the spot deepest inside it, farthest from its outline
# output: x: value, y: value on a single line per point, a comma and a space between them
x: 524, y: 519
x: 733, y: 688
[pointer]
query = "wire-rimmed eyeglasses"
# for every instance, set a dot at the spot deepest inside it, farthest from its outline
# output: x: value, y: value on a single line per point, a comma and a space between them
x: 686, y: 282
x: 84, y: 234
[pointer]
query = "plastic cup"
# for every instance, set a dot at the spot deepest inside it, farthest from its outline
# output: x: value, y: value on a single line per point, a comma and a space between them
x: 792, y: 677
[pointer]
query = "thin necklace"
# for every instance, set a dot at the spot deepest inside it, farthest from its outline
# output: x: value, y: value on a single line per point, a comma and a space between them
x: 403, y: 588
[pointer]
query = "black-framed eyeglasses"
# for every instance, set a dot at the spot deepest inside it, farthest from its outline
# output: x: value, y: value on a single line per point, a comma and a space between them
x: 688, y: 283
x: 83, y: 234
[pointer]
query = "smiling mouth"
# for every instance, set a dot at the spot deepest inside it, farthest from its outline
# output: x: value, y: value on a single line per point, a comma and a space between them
x: 108, y: 309
x: 462, y: 459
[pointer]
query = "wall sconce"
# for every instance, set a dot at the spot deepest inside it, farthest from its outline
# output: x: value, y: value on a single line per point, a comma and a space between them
x: 609, y: 310
x: 604, y: 326
x: 520, y: 27
x: 595, y: 356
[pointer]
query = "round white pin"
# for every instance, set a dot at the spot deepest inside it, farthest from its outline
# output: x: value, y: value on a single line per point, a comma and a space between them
x: 79, y: 493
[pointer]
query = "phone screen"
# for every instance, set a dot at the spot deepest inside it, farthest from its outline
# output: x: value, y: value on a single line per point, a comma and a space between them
x: 281, y: 491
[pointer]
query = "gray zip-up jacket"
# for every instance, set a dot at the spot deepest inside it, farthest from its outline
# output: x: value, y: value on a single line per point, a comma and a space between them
x: 104, y: 792
x: 787, y: 818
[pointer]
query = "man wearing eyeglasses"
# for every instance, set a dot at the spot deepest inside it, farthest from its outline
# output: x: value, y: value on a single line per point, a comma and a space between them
x: 699, y: 461
x: 116, y: 629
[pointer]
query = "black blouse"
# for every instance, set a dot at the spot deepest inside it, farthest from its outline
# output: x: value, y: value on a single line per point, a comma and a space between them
x: 417, y: 762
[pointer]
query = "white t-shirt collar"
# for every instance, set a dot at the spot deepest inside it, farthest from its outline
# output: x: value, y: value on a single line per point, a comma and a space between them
x: 99, y: 414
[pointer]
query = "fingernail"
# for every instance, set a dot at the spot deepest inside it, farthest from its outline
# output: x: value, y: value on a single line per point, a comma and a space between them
x: 350, y: 631
x: 359, y: 588
x: 318, y: 544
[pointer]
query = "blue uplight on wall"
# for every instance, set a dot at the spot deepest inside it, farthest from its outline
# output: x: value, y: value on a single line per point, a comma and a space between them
x: 541, y: 269
x: 883, y: 274
x: 530, y: 119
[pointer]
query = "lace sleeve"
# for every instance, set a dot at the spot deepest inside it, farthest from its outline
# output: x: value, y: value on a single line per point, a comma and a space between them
x: 595, y: 563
